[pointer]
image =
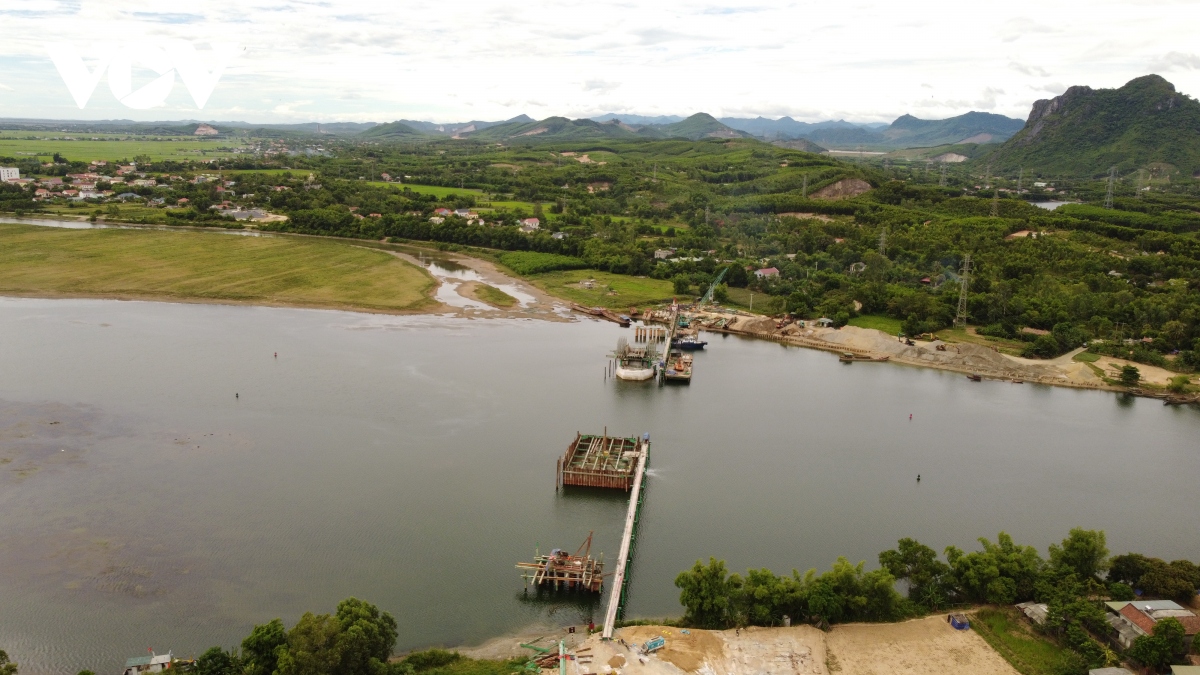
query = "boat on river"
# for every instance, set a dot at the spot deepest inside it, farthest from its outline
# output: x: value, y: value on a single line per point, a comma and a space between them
x: 678, y: 367
x: 851, y: 357
x: 635, y: 364
x: 689, y: 343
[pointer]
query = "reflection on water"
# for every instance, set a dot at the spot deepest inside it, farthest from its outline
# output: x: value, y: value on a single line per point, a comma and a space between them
x: 86, y: 225
x: 410, y: 461
x: 452, y: 275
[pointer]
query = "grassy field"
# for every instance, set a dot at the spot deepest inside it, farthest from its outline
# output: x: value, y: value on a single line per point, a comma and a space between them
x: 111, y: 151
x: 740, y: 298
x: 1012, y: 638
x: 1011, y: 347
x: 610, y: 290
x: 1086, y: 357
x: 494, y: 296
x: 125, y: 212
x: 883, y: 323
x: 203, y: 266
x: 435, y: 190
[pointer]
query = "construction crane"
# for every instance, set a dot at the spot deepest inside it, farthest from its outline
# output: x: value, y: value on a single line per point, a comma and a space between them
x: 708, y: 295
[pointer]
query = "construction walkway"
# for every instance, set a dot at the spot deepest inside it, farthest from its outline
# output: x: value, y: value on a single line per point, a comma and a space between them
x: 617, y: 593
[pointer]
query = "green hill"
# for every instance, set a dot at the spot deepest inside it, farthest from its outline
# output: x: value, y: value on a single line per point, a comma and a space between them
x: 972, y: 127
x: 700, y: 125
x: 1085, y: 131
x: 391, y: 130
x: 911, y: 132
x: 553, y: 129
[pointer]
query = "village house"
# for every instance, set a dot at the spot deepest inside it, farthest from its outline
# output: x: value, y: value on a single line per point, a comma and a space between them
x: 442, y: 212
x: 531, y: 223
x: 559, y: 235
x: 437, y: 220
x: 40, y: 193
x: 663, y: 253
x: 1132, y: 620
x: 8, y: 173
x: 768, y: 272
x: 154, y: 663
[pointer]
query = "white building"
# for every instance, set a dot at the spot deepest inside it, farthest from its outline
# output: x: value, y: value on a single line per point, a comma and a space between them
x: 9, y: 173
x: 154, y: 663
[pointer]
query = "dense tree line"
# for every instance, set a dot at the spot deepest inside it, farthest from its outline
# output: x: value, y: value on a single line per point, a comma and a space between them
x: 1072, y: 582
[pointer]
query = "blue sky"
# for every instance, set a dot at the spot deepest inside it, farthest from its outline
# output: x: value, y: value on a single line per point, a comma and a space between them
x: 336, y: 60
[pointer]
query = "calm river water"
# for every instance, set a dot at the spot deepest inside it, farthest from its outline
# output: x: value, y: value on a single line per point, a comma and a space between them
x: 410, y: 461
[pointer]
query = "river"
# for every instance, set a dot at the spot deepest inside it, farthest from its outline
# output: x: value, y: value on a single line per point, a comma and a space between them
x: 410, y: 461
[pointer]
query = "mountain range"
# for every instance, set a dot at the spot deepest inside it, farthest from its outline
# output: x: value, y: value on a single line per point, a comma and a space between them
x: 906, y: 132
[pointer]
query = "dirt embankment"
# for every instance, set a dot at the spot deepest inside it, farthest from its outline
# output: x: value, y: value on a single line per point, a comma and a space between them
x: 961, y: 357
x: 926, y: 646
x: 843, y: 189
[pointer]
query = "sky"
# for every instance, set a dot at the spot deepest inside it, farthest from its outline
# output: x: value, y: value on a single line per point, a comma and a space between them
x: 447, y: 61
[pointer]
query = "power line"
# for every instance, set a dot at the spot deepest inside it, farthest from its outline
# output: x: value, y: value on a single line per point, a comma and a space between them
x: 1112, y: 176
x: 964, y: 281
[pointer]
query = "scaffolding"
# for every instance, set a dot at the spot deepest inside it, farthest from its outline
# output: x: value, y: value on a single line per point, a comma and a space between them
x: 599, y: 461
x: 562, y: 571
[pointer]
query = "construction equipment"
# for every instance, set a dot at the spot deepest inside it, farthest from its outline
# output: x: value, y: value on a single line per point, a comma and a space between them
x: 706, y: 299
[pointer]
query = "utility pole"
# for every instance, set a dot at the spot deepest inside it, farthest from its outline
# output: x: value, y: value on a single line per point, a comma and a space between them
x: 1020, y: 178
x: 1112, y: 176
x: 883, y: 241
x: 996, y: 203
x: 804, y: 190
x: 964, y: 281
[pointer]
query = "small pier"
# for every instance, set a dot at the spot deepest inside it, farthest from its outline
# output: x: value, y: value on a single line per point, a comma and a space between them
x: 606, y: 462
x: 618, y: 592
x: 649, y: 334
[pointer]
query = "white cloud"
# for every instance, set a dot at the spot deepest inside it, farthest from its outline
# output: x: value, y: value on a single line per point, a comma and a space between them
x: 492, y: 59
x: 5, y: 87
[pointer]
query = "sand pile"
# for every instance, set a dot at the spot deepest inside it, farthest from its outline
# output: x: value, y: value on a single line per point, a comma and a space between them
x: 965, y: 356
x: 752, y: 324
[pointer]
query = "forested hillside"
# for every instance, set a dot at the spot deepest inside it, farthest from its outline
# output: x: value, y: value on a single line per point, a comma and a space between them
x: 1145, y: 124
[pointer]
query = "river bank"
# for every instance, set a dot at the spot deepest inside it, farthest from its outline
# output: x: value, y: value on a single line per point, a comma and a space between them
x: 925, y: 646
x: 245, y: 271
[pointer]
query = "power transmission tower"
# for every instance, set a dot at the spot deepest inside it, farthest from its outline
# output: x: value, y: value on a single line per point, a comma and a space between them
x: 996, y: 203
x: 883, y: 241
x: 1138, y: 184
x: 987, y: 177
x: 1112, y: 176
x: 964, y: 281
x: 804, y: 190
x: 942, y: 180
x: 1020, y: 178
